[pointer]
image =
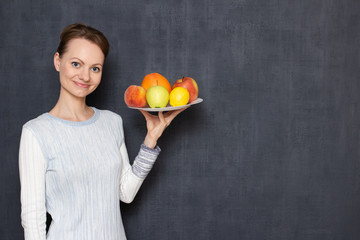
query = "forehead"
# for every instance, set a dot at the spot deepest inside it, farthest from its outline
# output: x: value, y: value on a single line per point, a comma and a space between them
x: 84, y: 49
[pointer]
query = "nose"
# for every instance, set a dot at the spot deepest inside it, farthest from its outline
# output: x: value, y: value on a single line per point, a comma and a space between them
x: 84, y: 75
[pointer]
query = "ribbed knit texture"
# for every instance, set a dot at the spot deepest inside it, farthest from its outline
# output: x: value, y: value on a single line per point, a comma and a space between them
x: 78, y: 172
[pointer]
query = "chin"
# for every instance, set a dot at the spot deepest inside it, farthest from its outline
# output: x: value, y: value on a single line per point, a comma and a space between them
x: 76, y: 92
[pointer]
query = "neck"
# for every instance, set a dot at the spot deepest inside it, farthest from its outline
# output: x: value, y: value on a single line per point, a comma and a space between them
x: 71, y: 108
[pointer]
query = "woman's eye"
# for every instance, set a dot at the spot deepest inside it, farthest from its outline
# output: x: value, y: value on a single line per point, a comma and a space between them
x: 75, y: 64
x: 95, y: 69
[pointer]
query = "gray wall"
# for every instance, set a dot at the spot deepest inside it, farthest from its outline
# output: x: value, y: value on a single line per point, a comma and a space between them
x: 271, y: 153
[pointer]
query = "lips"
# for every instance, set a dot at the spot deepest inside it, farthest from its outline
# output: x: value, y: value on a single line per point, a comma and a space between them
x: 81, y: 85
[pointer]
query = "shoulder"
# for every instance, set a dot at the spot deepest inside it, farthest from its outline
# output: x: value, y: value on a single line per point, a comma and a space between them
x: 110, y: 116
x: 113, y: 122
x: 39, y: 122
x: 38, y: 128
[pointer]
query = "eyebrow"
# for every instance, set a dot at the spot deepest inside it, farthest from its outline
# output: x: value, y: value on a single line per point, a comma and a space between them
x: 75, y: 58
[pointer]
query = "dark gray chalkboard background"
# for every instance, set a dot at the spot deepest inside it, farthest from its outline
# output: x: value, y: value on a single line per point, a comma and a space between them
x: 272, y: 152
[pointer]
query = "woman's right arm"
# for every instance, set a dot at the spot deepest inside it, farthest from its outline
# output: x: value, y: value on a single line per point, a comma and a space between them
x: 32, y: 167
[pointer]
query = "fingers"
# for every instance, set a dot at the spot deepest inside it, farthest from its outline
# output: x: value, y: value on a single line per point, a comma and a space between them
x: 144, y: 113
x: 161, y: 117
x: 173, y: 114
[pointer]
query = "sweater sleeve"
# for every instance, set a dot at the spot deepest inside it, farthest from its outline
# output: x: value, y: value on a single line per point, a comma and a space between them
x: 32, y: 166
x: 133, y: 176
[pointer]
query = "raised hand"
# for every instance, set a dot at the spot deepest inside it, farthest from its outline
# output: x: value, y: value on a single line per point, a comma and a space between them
x: 157, y: 124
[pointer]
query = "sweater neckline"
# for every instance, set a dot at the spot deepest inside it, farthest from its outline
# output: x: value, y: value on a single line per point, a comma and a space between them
x: 91, y: 120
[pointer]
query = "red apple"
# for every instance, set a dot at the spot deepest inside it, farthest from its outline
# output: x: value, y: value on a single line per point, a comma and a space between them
x: 190, y: 85
x: 135, y: 96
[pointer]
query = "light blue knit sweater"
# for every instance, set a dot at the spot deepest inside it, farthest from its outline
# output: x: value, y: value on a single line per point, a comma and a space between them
x: 78, y: 172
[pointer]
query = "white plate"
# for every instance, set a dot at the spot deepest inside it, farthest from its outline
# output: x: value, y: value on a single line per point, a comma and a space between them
x: 169, y: 108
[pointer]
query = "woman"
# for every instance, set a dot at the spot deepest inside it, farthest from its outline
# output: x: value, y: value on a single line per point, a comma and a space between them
x: 73, y: 160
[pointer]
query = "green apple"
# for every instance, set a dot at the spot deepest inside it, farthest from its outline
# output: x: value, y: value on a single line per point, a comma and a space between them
x: 157, y: 96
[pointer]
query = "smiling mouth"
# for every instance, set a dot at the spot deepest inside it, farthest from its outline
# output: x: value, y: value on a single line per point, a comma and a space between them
x: 81, y: 85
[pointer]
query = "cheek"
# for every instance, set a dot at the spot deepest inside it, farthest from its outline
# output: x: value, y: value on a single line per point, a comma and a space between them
x: 97, y: 78
x: 66, y: 72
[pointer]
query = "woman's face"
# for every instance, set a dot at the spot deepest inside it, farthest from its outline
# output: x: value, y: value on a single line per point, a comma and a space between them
x: 80, y: 68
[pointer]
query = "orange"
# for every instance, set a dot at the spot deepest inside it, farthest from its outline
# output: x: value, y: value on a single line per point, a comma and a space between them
x: 155, y: 79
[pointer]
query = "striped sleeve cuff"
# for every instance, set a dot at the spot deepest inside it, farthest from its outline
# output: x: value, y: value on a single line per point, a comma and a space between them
x: 145, y: 160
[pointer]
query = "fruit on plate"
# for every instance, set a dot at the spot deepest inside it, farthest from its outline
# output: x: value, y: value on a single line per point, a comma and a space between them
x: 179, y: 96
x: 157, y: 96
x: 135, y: 96
x: 190, y: 84
x: 155, y: 79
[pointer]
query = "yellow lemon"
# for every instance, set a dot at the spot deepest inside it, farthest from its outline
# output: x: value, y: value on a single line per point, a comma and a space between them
x: 179, y: 96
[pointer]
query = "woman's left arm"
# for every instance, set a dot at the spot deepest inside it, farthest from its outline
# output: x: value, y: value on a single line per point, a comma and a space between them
x: 157, y: 124
x: 132, y: 177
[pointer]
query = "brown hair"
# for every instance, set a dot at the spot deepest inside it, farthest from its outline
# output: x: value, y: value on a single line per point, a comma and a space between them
x: 79, y: 30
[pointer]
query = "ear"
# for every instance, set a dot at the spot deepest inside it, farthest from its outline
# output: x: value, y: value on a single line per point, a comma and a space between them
x: 57, y: 61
